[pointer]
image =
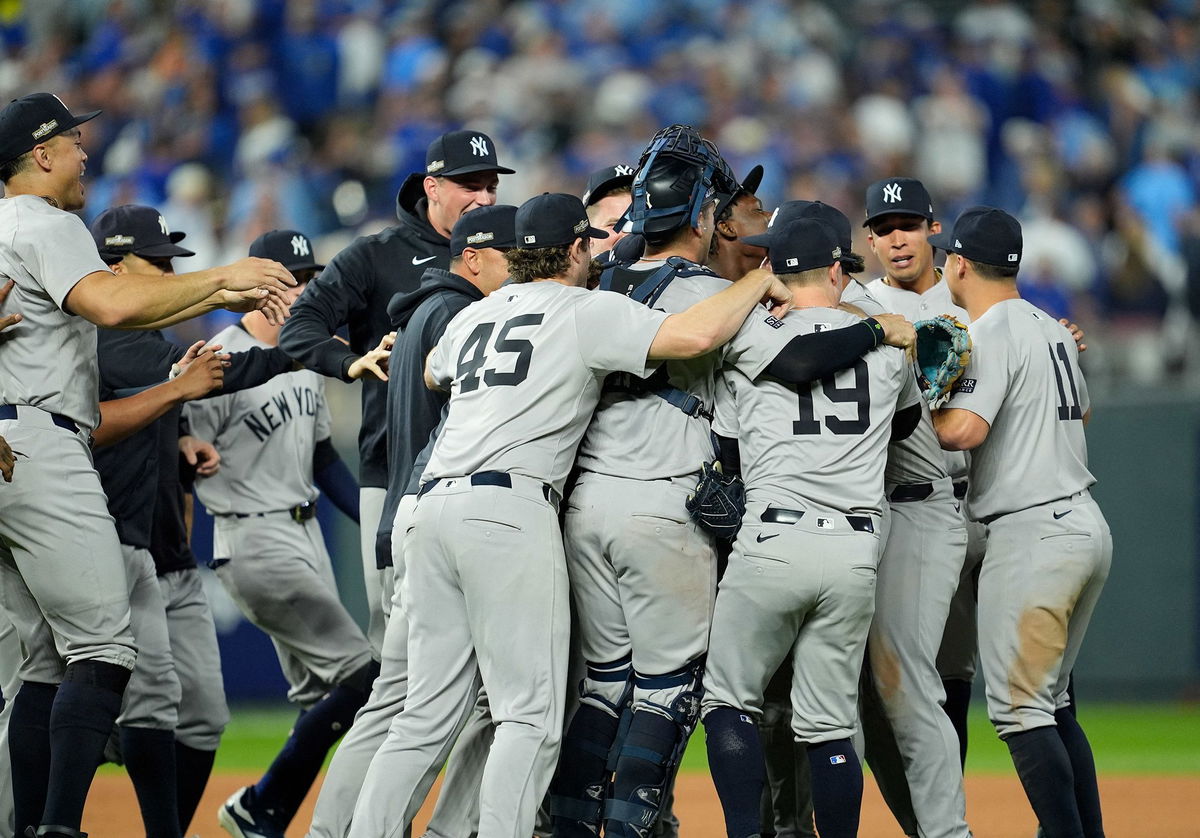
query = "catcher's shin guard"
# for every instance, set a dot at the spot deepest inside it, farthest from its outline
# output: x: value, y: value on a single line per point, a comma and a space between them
x: 651, y: 751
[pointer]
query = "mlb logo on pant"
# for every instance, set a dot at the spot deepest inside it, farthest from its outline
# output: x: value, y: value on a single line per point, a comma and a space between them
x: 839, y: 759
x: 824, y: 523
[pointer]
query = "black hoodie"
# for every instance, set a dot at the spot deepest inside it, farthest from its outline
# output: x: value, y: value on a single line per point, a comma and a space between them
x: 354, y: 290
x: 413, y: 410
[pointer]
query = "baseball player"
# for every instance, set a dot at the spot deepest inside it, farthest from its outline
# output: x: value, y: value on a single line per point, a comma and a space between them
x: 1021, y: 413
x: 270, y: 556
x: 643, y: 575
x: 739, y: 215
x: 477, y: 268
x: 141, y: 478
x: 461, y: 173
x: 63, y: 577
x: 606, y: 199
x: 525, y: 367
x: 814, y: 492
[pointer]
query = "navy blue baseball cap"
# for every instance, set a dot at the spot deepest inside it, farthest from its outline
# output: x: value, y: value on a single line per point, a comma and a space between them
x: 33, y: 119
x: 553, y: 219
x: 898, y: 196
x: 136, y: 229
x: 603, y: 181
x: 748, y: 186
x: 290, y: 248
x: 462, y: 153
x: 799, y: 245
x: 983, y: 234
x: 493, y: 226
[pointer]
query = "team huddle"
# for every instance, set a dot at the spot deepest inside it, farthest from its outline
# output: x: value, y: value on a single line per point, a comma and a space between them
x: 630, y: 462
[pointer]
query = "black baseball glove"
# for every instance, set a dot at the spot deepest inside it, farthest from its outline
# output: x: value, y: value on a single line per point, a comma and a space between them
x: 719, y: 502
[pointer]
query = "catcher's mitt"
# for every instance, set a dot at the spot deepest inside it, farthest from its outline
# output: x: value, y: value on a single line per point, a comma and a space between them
x: 943, y: 352
x: 719, y: 502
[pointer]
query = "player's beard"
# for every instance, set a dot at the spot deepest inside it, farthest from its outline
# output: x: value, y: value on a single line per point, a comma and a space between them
x: 593, y: 276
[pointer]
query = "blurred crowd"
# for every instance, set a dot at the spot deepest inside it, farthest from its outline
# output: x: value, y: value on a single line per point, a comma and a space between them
x: 239, y: 116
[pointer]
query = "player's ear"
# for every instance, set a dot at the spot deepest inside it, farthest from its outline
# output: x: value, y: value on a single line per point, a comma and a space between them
x: 431, y: 188
x: 935, y: 227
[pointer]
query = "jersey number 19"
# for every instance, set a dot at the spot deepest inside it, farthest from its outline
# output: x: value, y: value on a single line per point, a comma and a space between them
x: 858, y: 394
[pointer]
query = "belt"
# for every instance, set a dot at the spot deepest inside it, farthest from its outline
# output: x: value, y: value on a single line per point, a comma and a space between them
x: 774, y: 515
x: 9, y: 411
x: 910, y: 492
x: 960, y: 489
x: 299, y: 513
x: 490, y: 478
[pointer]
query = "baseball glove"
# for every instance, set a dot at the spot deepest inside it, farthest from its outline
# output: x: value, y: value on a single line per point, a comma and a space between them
x: 719, y: 501
x: 943, y: 352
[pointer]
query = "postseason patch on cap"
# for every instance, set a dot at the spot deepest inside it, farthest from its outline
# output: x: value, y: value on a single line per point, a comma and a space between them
x: 118, y: 241
x: 836, y: 253
x: 581, y: 226
x: 45, y: 128
x: 436, y: 166
x: 479, y: 238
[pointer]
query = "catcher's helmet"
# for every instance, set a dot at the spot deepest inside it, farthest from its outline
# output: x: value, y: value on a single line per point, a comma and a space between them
x: 679, y: 172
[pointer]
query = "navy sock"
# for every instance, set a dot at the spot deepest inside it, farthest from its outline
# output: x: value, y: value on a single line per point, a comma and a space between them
x: 958, y: 701
x: 283, y: 787
x: 192, y: 770
x: 580, y: 779
x: 29, y: 750
x: 1083, y: 766
x: 1044, y: 767
x: 738, y: 767
x: 837, y: 788
x: 85, y: 709
x: 642, y: 766
x: 150, y: 760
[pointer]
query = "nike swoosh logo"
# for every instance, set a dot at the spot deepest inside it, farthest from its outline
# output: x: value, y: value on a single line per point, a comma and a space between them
x: 761, y: 538
x: 1058, y: 515
x: 417, y: 261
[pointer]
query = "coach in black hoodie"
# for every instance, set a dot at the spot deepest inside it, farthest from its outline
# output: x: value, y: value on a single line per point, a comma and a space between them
x: 477, y: 267
x: 461, y: 174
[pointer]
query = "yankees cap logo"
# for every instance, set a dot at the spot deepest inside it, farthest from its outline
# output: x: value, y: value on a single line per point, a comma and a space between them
x: 622, y: 170
x: 891, y: 193
x: 162, y: 225
x: 771, y: 221
x: 479, y: 146
x: 300, y: 245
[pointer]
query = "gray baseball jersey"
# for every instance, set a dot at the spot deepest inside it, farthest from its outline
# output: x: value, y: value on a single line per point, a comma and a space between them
x: 538, y: 434
x: 1033, y: 453
x: 856, y: 294
x: 645, y: 437
x: 825, y: 421
x: 49, y: 359
x: 266, y: 436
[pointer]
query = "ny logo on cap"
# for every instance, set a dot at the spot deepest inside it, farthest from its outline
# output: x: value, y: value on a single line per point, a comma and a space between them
x: 891, y: 193
x: 299, y: 245
x: 774, y: 215
x: 162, y: 225
x: 622, y: 170
x: 479, y: 146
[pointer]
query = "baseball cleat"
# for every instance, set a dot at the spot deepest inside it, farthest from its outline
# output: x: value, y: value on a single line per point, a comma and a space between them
x: 239, y: 819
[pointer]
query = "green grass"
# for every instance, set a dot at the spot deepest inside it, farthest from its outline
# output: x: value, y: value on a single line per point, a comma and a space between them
x: 1126, y: 738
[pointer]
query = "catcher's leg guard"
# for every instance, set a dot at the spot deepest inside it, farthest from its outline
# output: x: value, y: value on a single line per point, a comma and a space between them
x: 580, y: 782
x: 652, y: 749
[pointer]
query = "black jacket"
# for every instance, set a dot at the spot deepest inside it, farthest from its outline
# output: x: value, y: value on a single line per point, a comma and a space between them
x: 413, y: 410
x: 140, y: 474
x: 354, y: 290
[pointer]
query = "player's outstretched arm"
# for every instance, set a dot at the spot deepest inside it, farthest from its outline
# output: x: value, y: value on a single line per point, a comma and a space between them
x: 959, y: 429
x: 713, y: 321
x: 121, y: 417
x: 139, y: 301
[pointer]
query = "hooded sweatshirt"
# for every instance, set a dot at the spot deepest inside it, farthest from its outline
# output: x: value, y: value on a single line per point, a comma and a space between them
x: 354, y: 290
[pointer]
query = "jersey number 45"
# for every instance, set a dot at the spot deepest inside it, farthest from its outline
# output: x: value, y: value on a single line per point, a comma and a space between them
x: 475, y: 354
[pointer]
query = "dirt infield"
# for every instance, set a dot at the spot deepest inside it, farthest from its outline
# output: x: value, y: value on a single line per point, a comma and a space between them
x: 1134, y: 807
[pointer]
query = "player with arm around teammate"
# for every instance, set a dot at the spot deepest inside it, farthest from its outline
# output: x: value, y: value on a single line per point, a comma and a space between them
x: 269, y: 554
x: 486, y: 578
x: 63, y: 575
x: 801, y: 580
x: 1020, y: 409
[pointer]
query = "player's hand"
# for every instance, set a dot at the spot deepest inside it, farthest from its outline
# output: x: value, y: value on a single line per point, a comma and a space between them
x: 251, y: 272
x: 201, y: 454
x: 1076, y: 333
x: 374, y: 362
x: 898, y: 331
x: 202, y: 375
x: 195, y: 351
x: 777, y: 297
x: 8, y: 460
x: 6, y: 321
x: 268, y: 299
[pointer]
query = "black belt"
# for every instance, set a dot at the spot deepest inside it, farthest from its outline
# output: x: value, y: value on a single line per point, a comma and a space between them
x: 300, y: 513
x: 489, y: 478
x: 910, y: 492
x: 960, y: 489
x: 9, y: 411
x: 774, y: 515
